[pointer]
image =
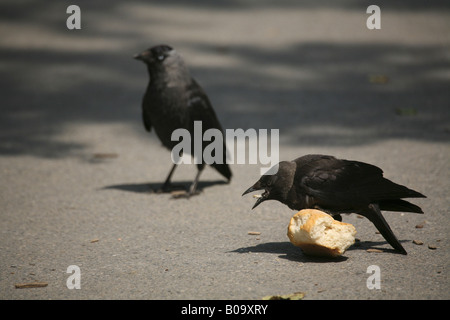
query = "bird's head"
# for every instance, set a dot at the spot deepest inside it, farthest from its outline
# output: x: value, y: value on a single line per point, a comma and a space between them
x: 276, y: 186
x: 155, y: 55
x: 163, y: 60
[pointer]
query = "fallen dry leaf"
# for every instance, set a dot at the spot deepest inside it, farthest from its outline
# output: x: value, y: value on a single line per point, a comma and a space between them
x: 374, y: 250
x: 31, y: 285
x: 292, y: 296
x: 406, y: 111
x: 179, y: 194
x: 105, y: 155
x: 378, y: 79
x: 420, y: 225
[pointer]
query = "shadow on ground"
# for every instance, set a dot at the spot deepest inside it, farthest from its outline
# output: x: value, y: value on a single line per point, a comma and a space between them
x: 316, y: 93
x: 287, y: 250
x: 154, y: 187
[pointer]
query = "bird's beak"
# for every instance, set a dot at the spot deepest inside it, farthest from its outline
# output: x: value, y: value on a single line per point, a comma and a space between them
x: 251, y: 189
x: 137, y: 56
x: 260, y: 197
x: 145, y: 55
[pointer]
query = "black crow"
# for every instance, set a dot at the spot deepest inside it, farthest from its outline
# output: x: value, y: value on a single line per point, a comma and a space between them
x: 337, y: 186
x: 174, y: 100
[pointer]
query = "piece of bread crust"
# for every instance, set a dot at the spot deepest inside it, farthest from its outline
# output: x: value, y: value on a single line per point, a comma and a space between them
x: 318, y: 234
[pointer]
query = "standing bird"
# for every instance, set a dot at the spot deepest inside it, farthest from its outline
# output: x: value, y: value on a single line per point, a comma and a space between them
x: 337, y: 186
x: 174, y: 100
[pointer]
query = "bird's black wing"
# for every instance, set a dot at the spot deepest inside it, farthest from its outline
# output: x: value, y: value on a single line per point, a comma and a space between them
x: 200, y: 109
x: 145, y: 114
x: 347, y: 184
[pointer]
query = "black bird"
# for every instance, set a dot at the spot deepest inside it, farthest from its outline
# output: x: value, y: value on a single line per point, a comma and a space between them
x: 173, y: 100
x: 337, y: 186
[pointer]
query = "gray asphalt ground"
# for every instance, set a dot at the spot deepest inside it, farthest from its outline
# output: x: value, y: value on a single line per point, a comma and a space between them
x: 77, y: 168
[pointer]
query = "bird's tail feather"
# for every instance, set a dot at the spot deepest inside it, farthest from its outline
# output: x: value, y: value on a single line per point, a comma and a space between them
x: 223, y: 169
x: 399, y: 205
x: 373, y: 213
x: 386, y: 189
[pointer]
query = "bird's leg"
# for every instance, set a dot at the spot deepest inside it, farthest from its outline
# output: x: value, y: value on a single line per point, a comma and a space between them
x: 166, y: 186
x: 373, y: 213
x: 193, y: 188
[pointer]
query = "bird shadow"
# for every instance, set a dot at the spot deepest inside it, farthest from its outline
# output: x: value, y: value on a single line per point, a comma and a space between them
x: 155, y: 187
x: 287, y: 250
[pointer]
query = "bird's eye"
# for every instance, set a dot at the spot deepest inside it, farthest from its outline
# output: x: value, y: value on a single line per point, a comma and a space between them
x: 271, y: 181
x: 161, y: 57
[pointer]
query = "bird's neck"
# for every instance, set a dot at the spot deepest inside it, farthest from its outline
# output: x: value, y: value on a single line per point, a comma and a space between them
x: 289, y: 190
x: 172, y: 76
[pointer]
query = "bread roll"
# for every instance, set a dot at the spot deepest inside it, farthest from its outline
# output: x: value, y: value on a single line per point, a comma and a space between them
x: 318, y: 234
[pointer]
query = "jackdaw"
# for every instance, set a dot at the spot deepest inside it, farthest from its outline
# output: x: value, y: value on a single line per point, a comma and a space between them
x: 337, y: 186
x: 174, y: 100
